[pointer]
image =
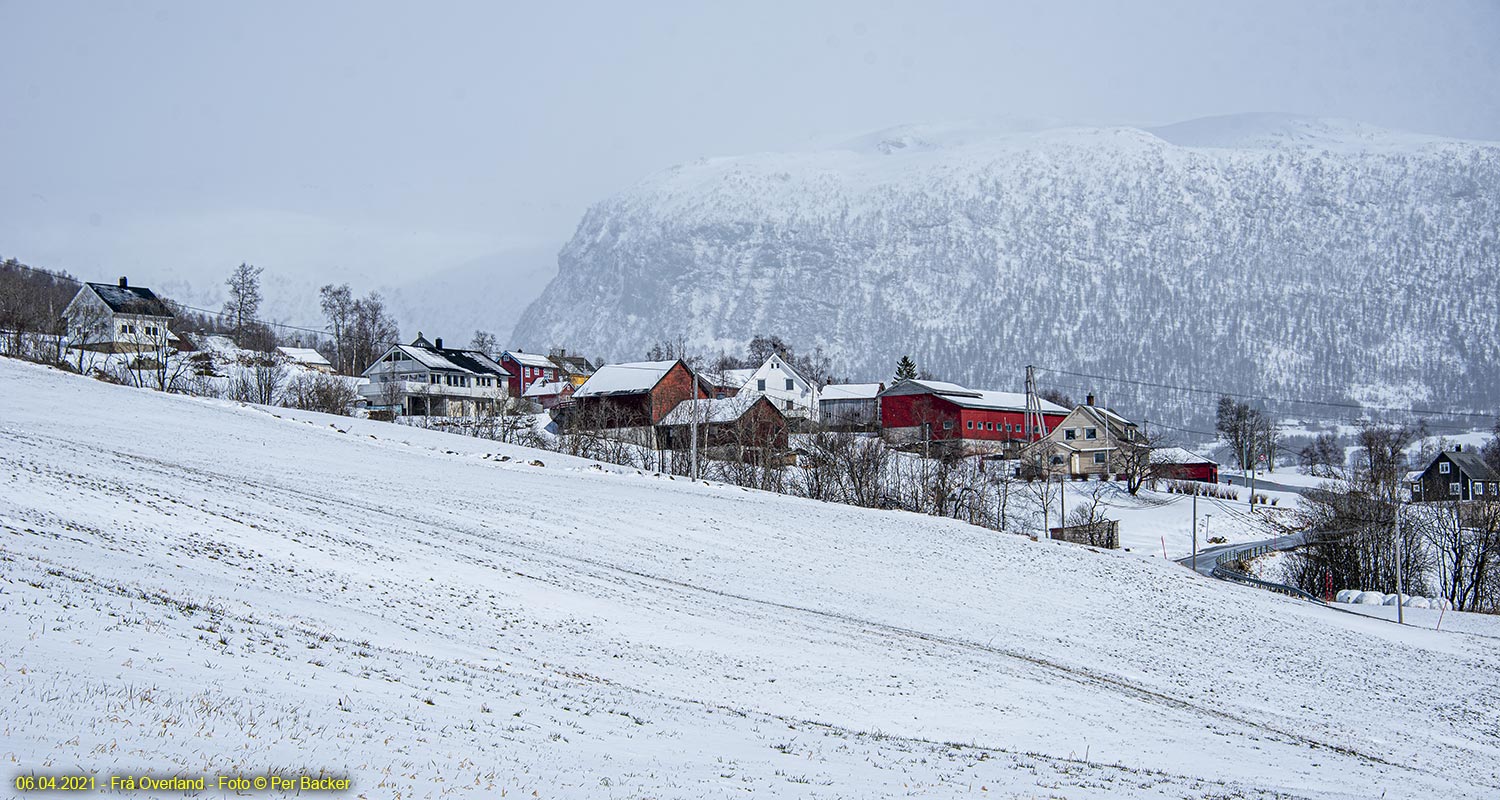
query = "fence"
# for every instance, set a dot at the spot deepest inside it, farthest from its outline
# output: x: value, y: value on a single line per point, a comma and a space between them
x: 1224, y: 572
x: 1105, y: 533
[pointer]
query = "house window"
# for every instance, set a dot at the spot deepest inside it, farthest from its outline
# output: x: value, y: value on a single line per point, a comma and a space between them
x: 1091, y: 433
x: 971, y: 424
x: 1478, y: 488
x: 1443, y: 467
x: 1453, y: 488
x: 760, y: 384
x: 789, y: 405
x: 1056, y: 460
x: 789, y: 384
x: 991, y: 426
x: 1070, y: 434
x: 947, y: 424
x: 1100, y: 457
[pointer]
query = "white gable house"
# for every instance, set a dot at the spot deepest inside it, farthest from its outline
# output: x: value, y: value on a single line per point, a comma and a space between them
x: 427, y: 379
x: 792, y: 394
x: 119, y: 318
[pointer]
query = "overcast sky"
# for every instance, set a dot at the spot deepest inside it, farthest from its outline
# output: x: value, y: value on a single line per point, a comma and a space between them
x: 324, y: 139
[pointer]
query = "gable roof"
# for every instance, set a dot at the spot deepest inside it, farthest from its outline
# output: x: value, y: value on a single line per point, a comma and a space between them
x: 635, y: 377
x: 547, y: 388
x: 573, y: 365
x: 727, y: 409
x: 131, y: 300
x: 472, y: 362
x: 304, y: 355
x: 1473, y: 466
x: 529, y: 359
x: 1178, y: 455
x: 970, y: 398
x: 850, y: 391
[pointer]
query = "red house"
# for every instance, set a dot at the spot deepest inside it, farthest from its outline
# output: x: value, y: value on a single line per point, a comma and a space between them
x: 913, y: 410
x: 526, y: 369
x: 635, y: 395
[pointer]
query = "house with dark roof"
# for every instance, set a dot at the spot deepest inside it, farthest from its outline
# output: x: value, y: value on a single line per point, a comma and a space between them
x: 574, y: 369
x: 426, y: 379
x: 119, y: 318
x: 1456, y: 475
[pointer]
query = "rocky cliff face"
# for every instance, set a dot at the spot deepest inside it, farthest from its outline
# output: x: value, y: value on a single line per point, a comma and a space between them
x: 1268, y: 254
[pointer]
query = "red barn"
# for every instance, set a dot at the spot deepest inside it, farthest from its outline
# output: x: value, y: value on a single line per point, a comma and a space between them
x: 635, y: 395
x: 947, y: 411
x: 1175, y: 463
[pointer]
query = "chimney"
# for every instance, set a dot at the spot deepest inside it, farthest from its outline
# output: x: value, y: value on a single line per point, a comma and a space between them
x: 1089, y: 401
x: 438, y: 342
x: 562, y: 352
x: 124, y: 283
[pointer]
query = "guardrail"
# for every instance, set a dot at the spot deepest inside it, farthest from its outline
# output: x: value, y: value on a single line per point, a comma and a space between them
x: 1225, y: 573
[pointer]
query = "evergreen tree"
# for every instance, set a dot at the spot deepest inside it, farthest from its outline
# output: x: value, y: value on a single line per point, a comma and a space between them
x: 906, y: 369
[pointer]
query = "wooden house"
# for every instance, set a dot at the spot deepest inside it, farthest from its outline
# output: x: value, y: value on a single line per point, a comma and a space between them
x: 119, y: 318
x: 986, y: 421
x: 633, y: 395
x: 525, y: 369
x: 426, y: 379
x: 1456, y: 475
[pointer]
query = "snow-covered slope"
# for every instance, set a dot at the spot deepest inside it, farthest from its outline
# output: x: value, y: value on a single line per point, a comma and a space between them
x: 1268, y: 253
x: 194, y: 585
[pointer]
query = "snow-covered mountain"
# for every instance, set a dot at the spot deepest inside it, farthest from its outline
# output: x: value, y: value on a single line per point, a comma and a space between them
x: 1269, y: 253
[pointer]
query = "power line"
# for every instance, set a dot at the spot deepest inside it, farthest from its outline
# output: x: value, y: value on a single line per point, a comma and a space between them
x: 1270, y: 398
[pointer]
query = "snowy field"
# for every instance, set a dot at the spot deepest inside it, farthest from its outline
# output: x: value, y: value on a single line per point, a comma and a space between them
x: 193, y: 585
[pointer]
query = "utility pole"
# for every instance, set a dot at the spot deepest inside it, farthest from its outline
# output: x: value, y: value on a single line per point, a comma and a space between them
x: 1250, y: 469
x: 1396, y: 525
x: 1195, y: 528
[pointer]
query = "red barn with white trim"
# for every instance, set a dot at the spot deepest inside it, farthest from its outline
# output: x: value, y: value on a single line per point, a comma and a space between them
x: 992, y: 420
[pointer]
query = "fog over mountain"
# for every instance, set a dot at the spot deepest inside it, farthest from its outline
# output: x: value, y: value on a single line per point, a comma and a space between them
x: 1267, y: 253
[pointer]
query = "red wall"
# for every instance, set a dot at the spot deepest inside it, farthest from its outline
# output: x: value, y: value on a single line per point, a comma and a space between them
x: 911, y: 410
x: 522, y: 377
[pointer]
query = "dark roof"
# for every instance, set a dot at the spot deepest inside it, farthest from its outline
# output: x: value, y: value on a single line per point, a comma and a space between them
x: 574, y: 365
x: 131, y: 300
x: 1473, y: 466
x: 471, y: 360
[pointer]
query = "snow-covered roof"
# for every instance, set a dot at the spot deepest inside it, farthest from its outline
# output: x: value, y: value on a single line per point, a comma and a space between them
x: 530, y: 359
x: 1178, y: 455
x: 850, y: 391
x: 629, y: 378
x: 728, y: 409
x: 546, y: 388
x: 734, y: 378
x: 971, y: 398
x: 304, y: 355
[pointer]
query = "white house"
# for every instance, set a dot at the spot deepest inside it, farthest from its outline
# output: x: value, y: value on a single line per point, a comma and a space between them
x: 792, y: 394
x: 118, y: 318
x: 426, y: 379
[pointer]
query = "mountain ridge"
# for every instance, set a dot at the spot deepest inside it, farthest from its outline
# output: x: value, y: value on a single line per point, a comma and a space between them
x: 1275, y: 256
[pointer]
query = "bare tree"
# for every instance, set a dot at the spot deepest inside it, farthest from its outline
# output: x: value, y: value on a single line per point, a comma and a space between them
x: 337, y: 303
x: 485, y: 342
x: 243, y: 305
x: 315, y: 391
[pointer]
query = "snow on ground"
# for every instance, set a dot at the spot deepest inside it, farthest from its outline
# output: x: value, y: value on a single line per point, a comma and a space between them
x: 1152, y: 520
x: 193, y: 585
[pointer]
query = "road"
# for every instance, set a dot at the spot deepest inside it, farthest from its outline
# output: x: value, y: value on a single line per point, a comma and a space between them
x: 1207, y: 556
x: 1262, y: 483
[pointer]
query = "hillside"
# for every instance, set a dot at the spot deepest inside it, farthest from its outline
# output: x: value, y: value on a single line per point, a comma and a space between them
x: 1263, y: 253
x: 196, y: 585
